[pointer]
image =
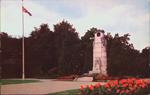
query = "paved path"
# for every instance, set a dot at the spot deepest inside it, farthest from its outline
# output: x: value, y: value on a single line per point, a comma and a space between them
x: 43, y: 87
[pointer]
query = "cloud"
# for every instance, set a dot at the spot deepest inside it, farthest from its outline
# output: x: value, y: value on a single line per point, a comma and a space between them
x: 120, y: 18
x: 116, y: 17
x: 11, y: 17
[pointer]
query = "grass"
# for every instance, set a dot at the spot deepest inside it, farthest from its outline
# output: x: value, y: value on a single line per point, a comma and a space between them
x: 67, y: 92
x: 17, y: 81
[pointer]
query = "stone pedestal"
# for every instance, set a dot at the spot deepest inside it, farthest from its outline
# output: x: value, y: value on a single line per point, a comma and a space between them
x: 84, y: 79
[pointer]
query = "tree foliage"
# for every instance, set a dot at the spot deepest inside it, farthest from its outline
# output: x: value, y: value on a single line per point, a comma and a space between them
x: 62, y: 52
x: 66, y: 46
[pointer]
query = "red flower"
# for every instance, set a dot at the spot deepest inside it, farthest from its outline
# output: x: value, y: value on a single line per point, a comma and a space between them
x: 91, y: 87
x: 148, y: 82
x: 124, y: 85
x: 118, y: 91
x: 106, y: 85
x: 123, y: 91
x: 130, y: 80
x: 97, y: 85
x: 123, y: 81
x: 127, y: 91
x: 138, y: 82
x: 81, y: 87
x: 87, y: 86
x: 143, y: 85
x: 116, y: 82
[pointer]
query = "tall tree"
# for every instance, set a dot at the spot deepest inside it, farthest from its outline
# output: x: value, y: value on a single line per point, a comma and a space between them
x: 145, y: 62
x: 66, y: 40
x: 39, y: 50
x: 11, y: 56
x: 121, y: 56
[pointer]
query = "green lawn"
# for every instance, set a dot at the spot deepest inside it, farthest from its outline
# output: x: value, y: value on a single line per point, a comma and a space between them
x: 67, y: 92
x: 10, y: 81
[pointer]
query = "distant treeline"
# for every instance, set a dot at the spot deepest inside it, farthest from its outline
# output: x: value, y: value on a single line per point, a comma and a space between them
x: 61, y: 52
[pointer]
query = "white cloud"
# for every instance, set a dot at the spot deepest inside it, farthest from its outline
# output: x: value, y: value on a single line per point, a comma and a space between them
x: 118, y: 18
x: 11, y: 17
x: 115, y: 17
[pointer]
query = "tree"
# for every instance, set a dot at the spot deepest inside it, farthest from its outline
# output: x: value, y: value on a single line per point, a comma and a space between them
x: 145, y: 62
x: 11, y: 56
x: 39, y: 50
x: 62, y: 52
x: 66, y: 40
x: 122, y: 57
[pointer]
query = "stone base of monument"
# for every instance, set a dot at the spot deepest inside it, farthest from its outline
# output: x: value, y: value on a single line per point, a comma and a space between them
x: 96, y: 73
x: 91, y: 76
x: 93, y: 72
x: 84, y: 79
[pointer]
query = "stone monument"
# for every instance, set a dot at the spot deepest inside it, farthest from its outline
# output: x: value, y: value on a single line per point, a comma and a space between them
x: 99, y: 54
x: 99, y: 58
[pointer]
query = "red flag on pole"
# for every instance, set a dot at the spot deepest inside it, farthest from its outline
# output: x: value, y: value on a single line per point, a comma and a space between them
x: 26, y: 11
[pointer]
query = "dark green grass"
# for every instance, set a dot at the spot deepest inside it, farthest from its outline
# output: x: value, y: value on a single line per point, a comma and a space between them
x: 67, y: 92
x: 17, y: 81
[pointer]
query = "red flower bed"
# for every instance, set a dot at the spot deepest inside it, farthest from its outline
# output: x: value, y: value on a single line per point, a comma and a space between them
x: 118, y: 87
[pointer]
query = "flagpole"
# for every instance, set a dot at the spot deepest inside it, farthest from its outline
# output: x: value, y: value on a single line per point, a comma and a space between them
x: 23, y: 67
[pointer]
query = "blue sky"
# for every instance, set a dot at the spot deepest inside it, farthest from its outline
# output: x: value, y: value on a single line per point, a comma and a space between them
x: 114, y: 16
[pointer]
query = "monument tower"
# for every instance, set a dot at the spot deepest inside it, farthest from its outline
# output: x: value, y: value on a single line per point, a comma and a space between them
x: 99, y: 54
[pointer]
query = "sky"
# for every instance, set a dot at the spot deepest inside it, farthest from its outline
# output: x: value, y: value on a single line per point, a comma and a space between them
x: 113, y: 16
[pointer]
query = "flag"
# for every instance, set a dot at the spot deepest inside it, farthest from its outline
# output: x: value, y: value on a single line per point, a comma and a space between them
x: 26, y: 11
